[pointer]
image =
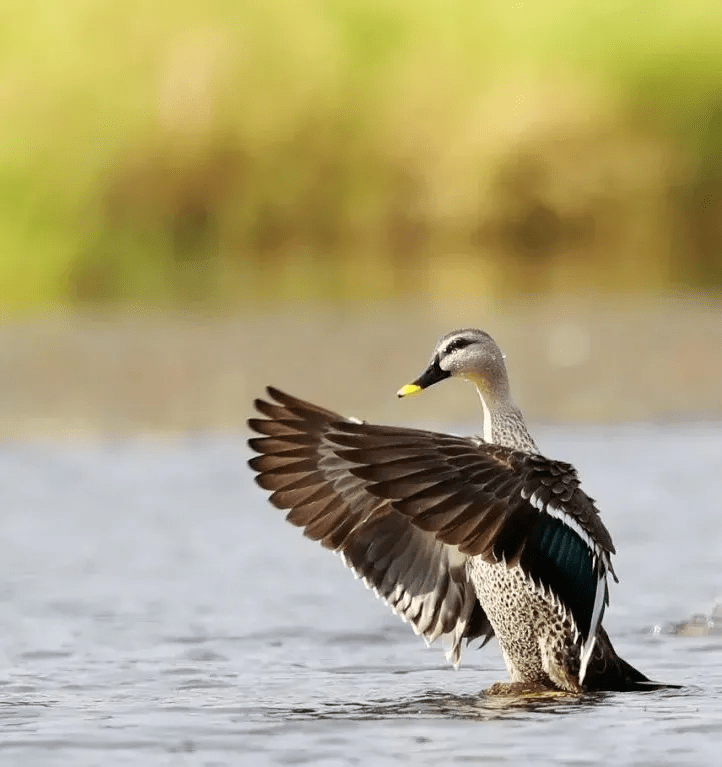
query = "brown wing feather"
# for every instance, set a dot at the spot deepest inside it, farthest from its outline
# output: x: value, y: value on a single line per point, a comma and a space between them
x: 422, y: 578
x: 460, y: 496
x: 480, y: 473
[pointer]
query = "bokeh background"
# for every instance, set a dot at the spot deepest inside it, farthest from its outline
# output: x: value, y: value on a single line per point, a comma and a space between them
x: 197, y: 199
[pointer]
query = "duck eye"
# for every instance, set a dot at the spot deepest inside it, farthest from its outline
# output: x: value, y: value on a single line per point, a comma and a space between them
x: 456, y: 344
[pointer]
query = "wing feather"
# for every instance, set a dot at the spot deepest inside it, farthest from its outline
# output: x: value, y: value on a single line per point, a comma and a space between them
x: 406, y: 506
x: 306, y: 470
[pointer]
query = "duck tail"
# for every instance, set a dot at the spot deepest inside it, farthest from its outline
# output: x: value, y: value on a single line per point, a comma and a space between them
x: 607, y: 671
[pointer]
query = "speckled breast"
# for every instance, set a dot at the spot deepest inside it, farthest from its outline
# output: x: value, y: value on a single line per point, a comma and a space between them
x: 537, y: 640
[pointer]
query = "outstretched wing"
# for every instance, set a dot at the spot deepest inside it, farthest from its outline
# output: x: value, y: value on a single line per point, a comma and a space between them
x: 466, y: 496
x: 421, y: 578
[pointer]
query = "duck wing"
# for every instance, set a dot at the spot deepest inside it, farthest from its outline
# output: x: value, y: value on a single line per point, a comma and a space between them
x: 405, y: 507
x: 422, y: 578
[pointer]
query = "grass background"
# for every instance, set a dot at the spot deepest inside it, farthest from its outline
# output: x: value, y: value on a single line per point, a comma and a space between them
x: 221, y: 154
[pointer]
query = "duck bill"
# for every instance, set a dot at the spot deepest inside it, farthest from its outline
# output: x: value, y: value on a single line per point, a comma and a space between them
x: 433, y: 374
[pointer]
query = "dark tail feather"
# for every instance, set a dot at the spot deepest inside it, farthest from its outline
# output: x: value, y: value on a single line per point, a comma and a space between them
x: 607, y: 671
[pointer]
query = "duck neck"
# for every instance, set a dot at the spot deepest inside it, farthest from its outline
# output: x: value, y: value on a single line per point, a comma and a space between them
x: 504, y: 425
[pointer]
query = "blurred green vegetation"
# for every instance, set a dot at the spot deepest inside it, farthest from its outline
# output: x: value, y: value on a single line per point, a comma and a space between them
x: 216, y: 153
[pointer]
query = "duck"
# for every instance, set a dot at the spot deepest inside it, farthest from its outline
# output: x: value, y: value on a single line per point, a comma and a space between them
x: 464, y: 537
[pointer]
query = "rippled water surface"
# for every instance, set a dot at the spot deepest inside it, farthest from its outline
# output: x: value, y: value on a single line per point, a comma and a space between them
x: 154, y: 609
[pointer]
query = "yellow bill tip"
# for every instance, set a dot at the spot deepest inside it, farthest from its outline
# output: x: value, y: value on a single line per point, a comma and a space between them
x: 408, y: 391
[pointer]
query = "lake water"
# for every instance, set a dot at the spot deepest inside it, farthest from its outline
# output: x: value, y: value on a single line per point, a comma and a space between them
x: 155, y: 609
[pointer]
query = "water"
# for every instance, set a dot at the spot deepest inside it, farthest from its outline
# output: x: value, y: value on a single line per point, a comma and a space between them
x: 154, y: 609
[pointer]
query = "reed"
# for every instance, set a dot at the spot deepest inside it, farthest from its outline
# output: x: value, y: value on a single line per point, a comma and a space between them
x: 218, y: 153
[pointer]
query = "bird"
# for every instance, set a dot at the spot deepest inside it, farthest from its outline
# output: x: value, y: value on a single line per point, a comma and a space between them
x: 464, y: 537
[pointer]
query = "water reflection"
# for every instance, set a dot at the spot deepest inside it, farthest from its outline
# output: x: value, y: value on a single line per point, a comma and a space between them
x: 441, y: 705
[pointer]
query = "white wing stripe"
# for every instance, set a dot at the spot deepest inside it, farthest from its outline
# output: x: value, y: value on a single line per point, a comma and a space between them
x: 586, y: 652
x: 559, y: 513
